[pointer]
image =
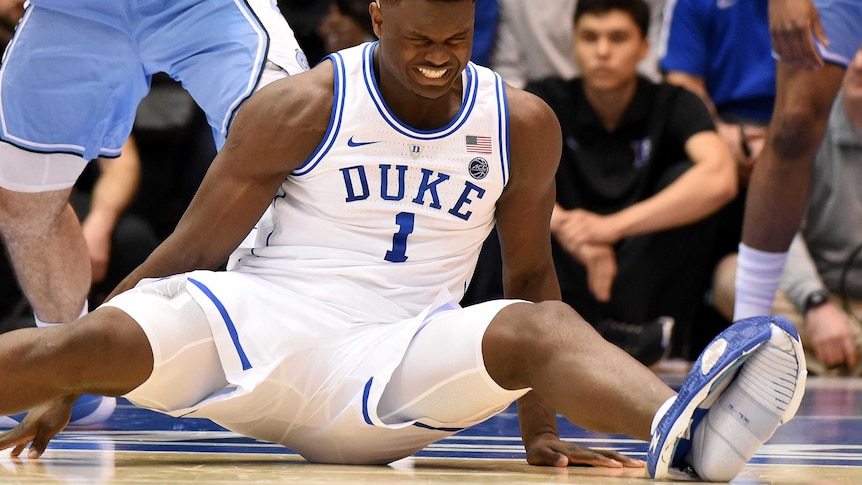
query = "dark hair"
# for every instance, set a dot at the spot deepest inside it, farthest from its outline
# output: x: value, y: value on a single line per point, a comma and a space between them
x: 637, y: 9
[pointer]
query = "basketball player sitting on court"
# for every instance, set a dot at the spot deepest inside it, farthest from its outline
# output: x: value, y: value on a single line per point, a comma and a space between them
x: 338, y: 334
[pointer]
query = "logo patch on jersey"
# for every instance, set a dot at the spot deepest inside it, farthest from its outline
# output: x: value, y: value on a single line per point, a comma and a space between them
x: 642, y: 150
x: 479, y: 144
x: 415, y: 150
x: 354, y: 144
x: 301, y: 59
x: 479, y: 168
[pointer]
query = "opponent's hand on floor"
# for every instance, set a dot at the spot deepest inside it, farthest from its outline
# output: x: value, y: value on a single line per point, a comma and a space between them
x: 40, y: 425
x: 550, y: 450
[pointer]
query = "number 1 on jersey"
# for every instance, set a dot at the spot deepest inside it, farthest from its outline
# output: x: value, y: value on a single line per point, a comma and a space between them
x: 398, y: 253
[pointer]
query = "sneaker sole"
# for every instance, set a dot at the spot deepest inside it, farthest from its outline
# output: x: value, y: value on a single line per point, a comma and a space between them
x: 710, y: 373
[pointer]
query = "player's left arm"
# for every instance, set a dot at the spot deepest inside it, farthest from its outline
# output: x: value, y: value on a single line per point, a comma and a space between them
x: 524, y: 210
x: 523, y: 224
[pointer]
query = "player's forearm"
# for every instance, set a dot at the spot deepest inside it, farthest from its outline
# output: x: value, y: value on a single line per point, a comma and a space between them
x: 539, y: 284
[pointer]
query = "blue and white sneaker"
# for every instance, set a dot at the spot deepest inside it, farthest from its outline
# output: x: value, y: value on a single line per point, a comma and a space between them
x: 748, y: 381
x: 88, y: 410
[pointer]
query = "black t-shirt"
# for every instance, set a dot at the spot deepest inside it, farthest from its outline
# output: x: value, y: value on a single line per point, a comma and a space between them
x: 605, y: 172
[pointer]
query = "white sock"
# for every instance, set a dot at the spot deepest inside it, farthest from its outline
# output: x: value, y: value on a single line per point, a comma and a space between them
x: 662, y: 410
x: 757, y: 277
x: 41, y: 324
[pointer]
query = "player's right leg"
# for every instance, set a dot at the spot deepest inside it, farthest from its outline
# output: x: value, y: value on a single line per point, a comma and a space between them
x: 105, y: 352
x: 778, y: 190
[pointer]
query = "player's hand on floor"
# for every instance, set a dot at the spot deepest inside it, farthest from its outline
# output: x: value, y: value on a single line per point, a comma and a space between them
x: 548, y: 450
x: 40, y: 425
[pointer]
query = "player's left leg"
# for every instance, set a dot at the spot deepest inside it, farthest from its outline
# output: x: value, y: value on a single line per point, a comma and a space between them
x: 748, y: 382
x: 451, y: 392
x: 547, y: 346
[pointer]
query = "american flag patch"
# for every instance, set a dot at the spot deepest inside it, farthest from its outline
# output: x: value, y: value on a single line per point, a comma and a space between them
x: 479, y: 144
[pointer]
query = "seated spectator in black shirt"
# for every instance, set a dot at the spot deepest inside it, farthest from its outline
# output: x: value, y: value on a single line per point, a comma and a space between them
x: 642, y: 170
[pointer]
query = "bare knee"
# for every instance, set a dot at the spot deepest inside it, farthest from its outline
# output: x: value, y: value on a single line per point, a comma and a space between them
x: 525, y: 337
x: 797, y: 132
x: 111, y: 354
x: 802, y: 113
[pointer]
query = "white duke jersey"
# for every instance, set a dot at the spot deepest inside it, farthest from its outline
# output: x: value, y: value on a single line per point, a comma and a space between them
x: 399, y: 211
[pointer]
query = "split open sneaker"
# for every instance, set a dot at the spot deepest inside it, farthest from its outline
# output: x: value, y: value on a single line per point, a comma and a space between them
x: 748, y: 381
x: 88, y: 410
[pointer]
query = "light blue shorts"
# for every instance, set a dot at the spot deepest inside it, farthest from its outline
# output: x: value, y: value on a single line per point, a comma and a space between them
x: 842, y: 22
x: 74, y: 73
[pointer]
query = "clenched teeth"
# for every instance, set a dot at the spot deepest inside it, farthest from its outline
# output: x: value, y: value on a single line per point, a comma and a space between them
x: 432, y: 73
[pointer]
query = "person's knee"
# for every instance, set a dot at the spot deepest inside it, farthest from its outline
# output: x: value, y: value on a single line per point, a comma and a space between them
x: 110, y: 352
x: 524, y: 337
x: 798, y: 124
x: 24, y: 213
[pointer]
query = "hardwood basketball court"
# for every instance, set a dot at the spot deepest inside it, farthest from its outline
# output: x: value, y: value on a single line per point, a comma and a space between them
x: 822, y: 445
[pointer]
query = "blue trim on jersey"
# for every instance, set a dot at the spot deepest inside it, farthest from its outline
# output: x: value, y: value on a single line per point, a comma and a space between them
x: 339, y: 78
x: 471, y: 88
x: 448, y: 430
x: 260, y: 61
x: 503, y: 127
x: 231, y: 328
x: 365, y: 394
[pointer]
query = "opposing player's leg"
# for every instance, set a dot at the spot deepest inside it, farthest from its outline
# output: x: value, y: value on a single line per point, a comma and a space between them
x: 778, y: 190
x: 47, y: 250
x: 46, y: 247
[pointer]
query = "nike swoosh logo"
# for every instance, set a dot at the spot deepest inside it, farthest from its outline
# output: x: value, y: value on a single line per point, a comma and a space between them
x: 352, y: 143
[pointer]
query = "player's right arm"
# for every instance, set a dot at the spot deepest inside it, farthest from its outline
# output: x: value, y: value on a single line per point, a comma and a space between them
x: 275, y: 131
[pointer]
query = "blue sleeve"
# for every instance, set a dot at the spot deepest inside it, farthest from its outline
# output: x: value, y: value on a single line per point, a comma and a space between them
x: 687, y: 48
x: 487, y: 16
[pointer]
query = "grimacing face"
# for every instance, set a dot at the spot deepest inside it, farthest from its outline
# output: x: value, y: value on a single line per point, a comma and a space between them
x: 424, y: 44
x: 608, y: 48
